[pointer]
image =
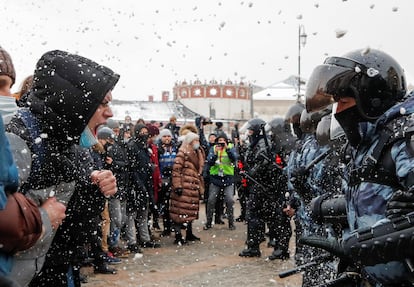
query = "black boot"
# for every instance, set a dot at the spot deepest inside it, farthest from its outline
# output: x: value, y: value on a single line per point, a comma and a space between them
x: 189, y: 233
x: 251, y: 252
x: 217, y: 220
x: 279, y: 254
x: 192, y: 237
x: 179, y: 240
x: 231, y: 225
x: 103, y: 268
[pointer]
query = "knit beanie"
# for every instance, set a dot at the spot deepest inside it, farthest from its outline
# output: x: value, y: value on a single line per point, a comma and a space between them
x: 138, y: 128
x: 105, y: 133
x: 165, y: 132
x: 221, y: 135
x: 113, y: 124
x: 6, y: 65
x: 190, y: 136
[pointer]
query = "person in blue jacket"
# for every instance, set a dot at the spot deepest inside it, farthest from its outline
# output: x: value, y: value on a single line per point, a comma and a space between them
x: 377, y: 118
x: 9, y: 179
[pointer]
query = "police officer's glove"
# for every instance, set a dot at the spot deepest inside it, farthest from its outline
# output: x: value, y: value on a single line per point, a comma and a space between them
x: 178, y: 191
x: 332, y: 245
x: 299, y: 173
x: 400, y: 203
x: 294, y: 202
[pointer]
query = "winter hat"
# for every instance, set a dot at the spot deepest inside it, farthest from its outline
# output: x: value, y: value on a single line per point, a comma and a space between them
x: 138, y: 128
x: 221, y: 135
x: 153, y: 130
x: 190, y: 136
x: 6, y: 65
x: 165, y: 132
x: 112, y: 124
x: 105, y: 133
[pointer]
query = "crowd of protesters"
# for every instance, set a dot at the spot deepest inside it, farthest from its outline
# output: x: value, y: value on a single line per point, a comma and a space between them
x: 93, y: 189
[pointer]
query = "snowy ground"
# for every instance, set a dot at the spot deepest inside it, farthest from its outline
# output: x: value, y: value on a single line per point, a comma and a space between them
x: 212, y: 262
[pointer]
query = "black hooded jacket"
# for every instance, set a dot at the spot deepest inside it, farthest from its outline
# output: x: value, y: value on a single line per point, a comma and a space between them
x: 67, y: 89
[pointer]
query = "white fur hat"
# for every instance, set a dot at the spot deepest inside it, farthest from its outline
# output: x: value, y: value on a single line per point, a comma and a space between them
x: 189, y: 137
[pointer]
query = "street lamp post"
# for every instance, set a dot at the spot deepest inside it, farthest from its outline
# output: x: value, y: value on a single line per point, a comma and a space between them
x: 301, y: 42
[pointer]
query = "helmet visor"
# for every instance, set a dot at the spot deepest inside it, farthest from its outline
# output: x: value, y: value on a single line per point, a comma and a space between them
x: 330, y: 81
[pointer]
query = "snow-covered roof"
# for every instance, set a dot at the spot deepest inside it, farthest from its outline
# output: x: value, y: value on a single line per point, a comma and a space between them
x: 284, y: 90
x: 160, y: 111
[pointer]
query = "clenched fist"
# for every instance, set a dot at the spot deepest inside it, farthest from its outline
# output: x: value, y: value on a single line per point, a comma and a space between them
x: 106, y: 182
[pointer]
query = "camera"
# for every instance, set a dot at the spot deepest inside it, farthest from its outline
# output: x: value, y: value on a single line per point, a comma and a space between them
x: 206, y: 121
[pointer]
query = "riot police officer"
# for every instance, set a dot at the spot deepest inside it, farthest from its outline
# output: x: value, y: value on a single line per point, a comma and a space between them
x: 282, y: 143
x: 370, y: 88
x: 304, y: 174
x: 253, y: 163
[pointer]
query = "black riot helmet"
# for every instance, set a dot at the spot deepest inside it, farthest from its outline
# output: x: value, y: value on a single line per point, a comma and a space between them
x: 294, y: 112
x: 309, y: 121
x: 372, y: 77
x: 323, y: 130
x: 277, y: 125
x: 255, y: 125
x: 281, y: 134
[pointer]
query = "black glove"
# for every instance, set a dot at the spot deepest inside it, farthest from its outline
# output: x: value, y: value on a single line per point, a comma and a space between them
x: 400, y: 203
x: 299, y: 179
x: 199, y: 122
x: 178, y: 191
x: 300, y: 173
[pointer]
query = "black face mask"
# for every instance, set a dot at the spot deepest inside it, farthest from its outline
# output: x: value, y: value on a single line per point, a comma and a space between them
x: 142, y: 138
x: 349, y: 120
x: 297, y: 130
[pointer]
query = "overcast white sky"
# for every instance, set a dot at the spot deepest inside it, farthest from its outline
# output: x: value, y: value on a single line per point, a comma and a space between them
x: 153, y: 44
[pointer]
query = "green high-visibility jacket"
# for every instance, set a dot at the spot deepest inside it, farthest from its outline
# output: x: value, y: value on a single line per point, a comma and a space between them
x: 223, y: 162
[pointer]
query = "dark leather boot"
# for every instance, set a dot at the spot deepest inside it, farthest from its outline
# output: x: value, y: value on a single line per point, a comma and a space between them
x: 103, y: 268
x: 250, y: 252
x: 179, y: 240
x: 279, y: 254
x: 192, y: 237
